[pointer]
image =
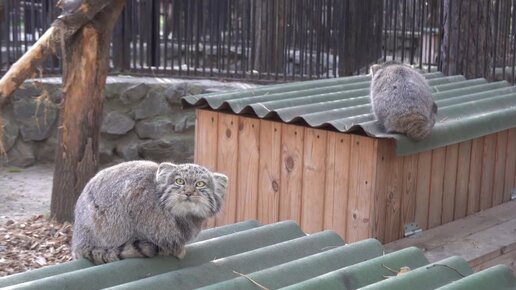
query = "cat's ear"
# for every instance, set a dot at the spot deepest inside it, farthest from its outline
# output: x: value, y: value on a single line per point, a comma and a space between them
x: 221, y: 183
x: 164, y: 169
x: 374, y: 68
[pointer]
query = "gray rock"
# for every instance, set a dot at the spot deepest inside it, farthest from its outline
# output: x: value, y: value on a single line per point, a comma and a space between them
x: 127, y: 147
x: 46, y: 150
x: 174, y: 93
x: 116, y: 123
x: 134, y: 93
x: 21, y: 155
x: 10, y: 132
x: 35, y: 120
x: 106, y: 152
x: 155, y: 128
x: 186, y: 122
x: 177, y: 148
x: 116, y: 89
x: 153, y: 105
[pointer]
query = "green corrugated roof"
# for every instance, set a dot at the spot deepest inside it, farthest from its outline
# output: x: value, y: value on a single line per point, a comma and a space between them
x: 275, y: 256
x: 467, y: 108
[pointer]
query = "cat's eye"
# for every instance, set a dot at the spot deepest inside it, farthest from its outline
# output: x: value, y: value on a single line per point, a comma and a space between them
x: 200, y: 184
x: 180, y: 181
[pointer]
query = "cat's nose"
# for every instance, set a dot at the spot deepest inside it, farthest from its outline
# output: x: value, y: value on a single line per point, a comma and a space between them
x: 188, y: 194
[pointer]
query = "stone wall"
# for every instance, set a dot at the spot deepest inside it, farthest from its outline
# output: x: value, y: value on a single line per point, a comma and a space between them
x: 142, y: 119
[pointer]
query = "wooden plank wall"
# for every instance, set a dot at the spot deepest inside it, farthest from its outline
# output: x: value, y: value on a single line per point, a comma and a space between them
x: 352, y: 184
x: 450, y: 182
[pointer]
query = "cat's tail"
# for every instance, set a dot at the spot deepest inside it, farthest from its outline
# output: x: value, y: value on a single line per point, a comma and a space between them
x: 418, y: 126
x: 415, y: 125
x: 136, y: 249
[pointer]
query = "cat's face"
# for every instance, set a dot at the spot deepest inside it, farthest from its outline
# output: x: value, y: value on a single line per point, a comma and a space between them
x: 190, y: 189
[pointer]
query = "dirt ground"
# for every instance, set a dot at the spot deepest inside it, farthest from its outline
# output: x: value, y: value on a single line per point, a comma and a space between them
x: 25, y: 192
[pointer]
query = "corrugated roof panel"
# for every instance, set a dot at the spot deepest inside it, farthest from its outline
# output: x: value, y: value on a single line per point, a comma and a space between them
x: 499, y: 277
x: 306, y: 268
x: 448, y: 270
x: 467, y: 108
x: 245, y: 255
x: 365, y: 273
x: 222, y: 269
x: 124, y: 271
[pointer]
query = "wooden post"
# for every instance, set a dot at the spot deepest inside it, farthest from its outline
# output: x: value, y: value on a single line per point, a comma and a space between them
x: 84, y: 77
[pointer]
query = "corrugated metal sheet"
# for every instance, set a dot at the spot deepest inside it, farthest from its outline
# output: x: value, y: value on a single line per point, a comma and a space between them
x: 274, y: 256
x: 467, y: 108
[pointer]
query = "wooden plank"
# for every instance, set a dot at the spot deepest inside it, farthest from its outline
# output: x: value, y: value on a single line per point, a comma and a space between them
x: 450, y: 178
x: 510, y: 165
x: 292, y: 141
x: 381, y: 188
x: 329, y: 194
x: 206, y: 132
x: 499, y: 167
x: 459, y: 230
x: 475, y: 175
x: 408, y: 200
x: 248, y: 164
x: 227, y: 163
x: 435, y: 207
x: 461, y: 188
x: 424, y: 167
x: 392, y: 192
x: 361, y: 197
x: 269, y: 175
x: 488, y: 165
x: 341, y: 183
x: 314, y: 158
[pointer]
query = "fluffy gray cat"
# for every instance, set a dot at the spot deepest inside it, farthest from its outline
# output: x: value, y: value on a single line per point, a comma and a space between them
x: 141, y: 209
x: 402, y: 100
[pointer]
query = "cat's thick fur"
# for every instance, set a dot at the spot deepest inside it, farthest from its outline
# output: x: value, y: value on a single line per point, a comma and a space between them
x: 141, y: 209
x: 402, y: 100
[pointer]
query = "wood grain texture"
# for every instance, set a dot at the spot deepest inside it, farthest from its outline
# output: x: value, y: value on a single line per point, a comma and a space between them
x: 329, y: 190
x: 450, y: 180
x: 510, y: 165
x: 391, y: 189
x: 291, y: 172
x: 314, y: 180
x: 341, y: 183
x: 475, y: 175
x: 461, y: 187
x: 361, y: 196
x: 488, y: 166
x: 227, y: 163
x: 269, y: 175
x: 408, y: 200
x: 424, y: 167
x: 248, y: 164
x: 206, y: 132
x: 499, y: 167
x: 435, y: 207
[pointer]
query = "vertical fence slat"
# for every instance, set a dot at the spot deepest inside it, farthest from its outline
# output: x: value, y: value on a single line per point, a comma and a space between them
x: 361, y: 197
x: 423, y: 188
x: 314, y: 157
x: 449, y: 186
x: 475, y: 175
x: 499, y: 167
x: 461, y: 188
x: 269, y: 175
x: 341, y: 183
x: 488, y: 164
x: 291, y: 172
x: 227, y: 163
x: 510, y: 165
x: 206, y: 132
x: 248, y: 162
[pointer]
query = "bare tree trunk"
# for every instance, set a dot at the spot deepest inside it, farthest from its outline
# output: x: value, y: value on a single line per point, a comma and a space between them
x: 467, y: 46
x: 84, y: 78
